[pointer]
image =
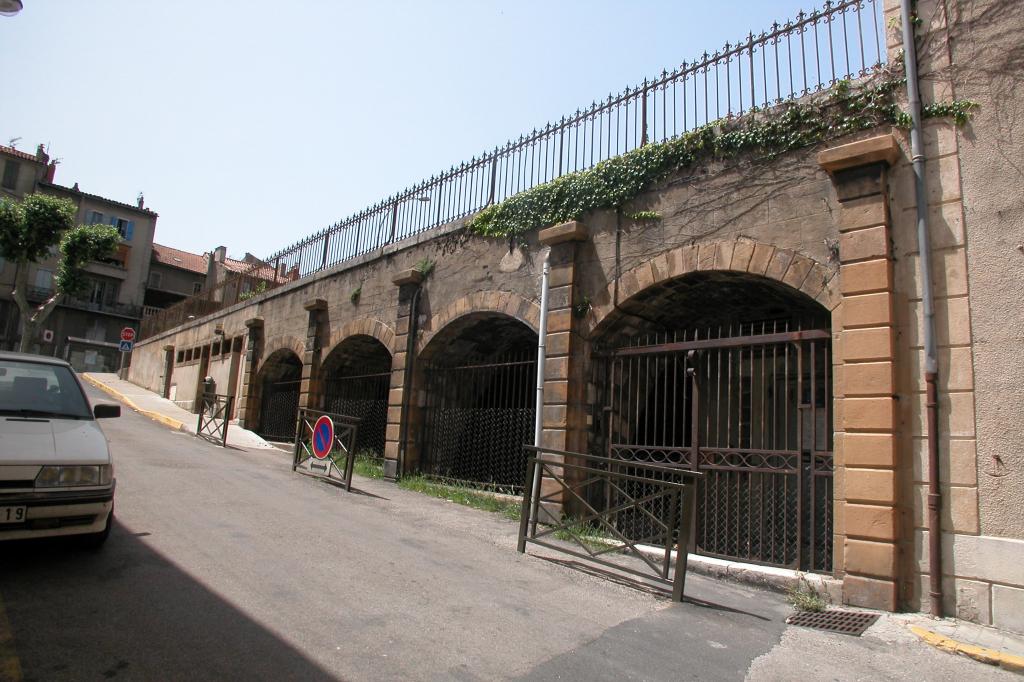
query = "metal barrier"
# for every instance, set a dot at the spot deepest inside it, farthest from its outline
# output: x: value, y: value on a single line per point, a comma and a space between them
x: 214, y: 414
x: 606, y: 491
x: 333, y: 462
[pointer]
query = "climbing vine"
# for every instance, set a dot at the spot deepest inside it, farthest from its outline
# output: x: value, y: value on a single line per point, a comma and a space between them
x: 762, y: 134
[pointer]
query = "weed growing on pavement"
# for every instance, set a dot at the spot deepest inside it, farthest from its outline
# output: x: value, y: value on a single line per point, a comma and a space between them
x: 508, y: 507
x: 803, y: 597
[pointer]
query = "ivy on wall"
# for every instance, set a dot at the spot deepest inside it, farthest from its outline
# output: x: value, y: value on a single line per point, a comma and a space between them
x: 762, y: 134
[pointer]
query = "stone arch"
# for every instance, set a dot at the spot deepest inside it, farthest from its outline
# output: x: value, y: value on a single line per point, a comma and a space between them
x: 278, y: 342
x: 711, y: 352
x: 363, y: 326
x: 741, y: 255
x: 278, y: 380
x: 477, y: 373
x: 502, y: 302
x: 354, y: 379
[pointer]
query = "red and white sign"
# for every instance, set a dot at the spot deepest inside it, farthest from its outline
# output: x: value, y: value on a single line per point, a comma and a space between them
x: 127, y: 334
x: 323, y: 437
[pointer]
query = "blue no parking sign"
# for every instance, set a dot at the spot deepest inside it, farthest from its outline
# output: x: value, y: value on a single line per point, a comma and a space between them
x: 323, y: 437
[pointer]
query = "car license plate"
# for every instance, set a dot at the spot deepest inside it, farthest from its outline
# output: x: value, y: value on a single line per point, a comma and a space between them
x: 12, y: 514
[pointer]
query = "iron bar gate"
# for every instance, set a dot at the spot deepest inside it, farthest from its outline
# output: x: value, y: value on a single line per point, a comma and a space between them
x: 279, y: 409
x: 364, y: 397
x: 478, y: 418
x: 751, y: 408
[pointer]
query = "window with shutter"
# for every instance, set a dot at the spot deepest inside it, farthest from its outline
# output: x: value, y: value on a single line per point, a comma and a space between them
x: 10, y: 180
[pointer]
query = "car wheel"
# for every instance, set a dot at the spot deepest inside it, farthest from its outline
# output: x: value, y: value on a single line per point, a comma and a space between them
x: 96, y: 540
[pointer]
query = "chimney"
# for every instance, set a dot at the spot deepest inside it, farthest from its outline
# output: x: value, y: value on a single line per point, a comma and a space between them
x: 141, y: 200
x: 41, y: 154
x: 51, y: 171
x: 220, y: 253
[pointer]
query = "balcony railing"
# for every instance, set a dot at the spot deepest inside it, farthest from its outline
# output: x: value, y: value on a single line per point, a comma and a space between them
x: 814, y: 51
x: 120, y: 309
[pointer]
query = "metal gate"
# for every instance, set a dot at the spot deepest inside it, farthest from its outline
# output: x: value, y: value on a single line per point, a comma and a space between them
x: 478, y: 418
x: 214, y: 414
x: 279, y: 409
x: 366, y: 398
x: 751, y: 408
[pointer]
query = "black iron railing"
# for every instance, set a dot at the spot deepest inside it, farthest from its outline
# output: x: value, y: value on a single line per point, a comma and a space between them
x: 329, y: 455
x: 214, y: 414
x: 814, y: 51
x: 583, y: 499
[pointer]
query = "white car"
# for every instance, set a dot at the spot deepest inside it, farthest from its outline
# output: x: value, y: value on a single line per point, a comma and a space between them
x: 56, y: 475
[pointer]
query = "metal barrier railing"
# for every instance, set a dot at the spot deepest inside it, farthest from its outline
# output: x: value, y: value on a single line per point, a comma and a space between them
x: 214, y: 414
x: 607, y: 491
x: 330, y: 455
x: 843, y: 40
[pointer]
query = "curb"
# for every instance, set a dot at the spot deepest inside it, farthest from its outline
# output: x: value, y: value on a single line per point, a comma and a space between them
x: 978, y: 653
x: 155, y: 416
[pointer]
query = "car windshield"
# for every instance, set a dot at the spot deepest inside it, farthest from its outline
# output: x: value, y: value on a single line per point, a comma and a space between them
x: 33, y: 389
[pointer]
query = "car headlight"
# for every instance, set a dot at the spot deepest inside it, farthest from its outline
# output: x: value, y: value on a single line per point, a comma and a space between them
x: 67, y: 476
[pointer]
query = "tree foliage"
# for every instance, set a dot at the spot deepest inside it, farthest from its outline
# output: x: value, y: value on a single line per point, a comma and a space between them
x: 78, y: 247
x: 29, y: 231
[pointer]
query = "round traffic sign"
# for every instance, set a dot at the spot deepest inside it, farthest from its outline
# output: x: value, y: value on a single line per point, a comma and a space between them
x: 323, y: 437
x: 127, y: 334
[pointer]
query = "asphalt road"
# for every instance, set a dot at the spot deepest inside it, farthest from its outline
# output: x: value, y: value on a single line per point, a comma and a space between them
x: 223, y: 564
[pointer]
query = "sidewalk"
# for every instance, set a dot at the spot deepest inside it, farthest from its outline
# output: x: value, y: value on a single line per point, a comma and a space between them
x: 985, y: 644
x: 166, y: 412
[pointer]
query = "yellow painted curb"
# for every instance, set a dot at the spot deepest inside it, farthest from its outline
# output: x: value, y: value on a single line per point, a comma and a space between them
x: 155, y: 416
x: 978, y: 653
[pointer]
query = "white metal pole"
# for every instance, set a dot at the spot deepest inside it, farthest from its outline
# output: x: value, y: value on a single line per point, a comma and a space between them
x: 542, y: 332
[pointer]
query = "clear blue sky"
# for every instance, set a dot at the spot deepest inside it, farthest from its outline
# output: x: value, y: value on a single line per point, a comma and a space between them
x: 251, y: 123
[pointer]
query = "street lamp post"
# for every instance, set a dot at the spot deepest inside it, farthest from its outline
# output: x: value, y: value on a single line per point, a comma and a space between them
x: 394, y: 212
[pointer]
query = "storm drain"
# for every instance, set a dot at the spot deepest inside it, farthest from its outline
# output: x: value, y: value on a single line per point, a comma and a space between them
x: 845, y: 622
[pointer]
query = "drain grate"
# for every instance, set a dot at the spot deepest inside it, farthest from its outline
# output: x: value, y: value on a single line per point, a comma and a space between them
x: 845, y: 622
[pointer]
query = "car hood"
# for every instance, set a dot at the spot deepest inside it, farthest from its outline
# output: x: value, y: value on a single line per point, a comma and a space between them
x: 52, y: 441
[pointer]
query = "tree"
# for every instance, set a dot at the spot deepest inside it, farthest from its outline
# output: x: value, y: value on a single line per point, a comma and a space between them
x: 28, y: 232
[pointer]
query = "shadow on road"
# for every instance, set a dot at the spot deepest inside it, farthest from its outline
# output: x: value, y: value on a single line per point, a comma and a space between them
x: 125, y: 611
x: 641, y: 586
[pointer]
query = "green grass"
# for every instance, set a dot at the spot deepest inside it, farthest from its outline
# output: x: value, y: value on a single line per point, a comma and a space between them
x: 592, y: 537
x: 370, y: 467
x: 510, y: 508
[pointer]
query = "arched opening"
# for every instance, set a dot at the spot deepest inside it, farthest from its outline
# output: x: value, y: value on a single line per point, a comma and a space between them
x: 729, y: 374
x: 356, y: 379
x: 479, y: 373
x: 279, y: 382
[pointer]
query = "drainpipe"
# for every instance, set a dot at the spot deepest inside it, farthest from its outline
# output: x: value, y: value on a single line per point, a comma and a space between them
x: 931, y: 366
x: 542, y: 333
x: 410, y: 346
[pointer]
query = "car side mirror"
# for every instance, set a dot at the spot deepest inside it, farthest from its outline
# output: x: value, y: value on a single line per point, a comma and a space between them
x: 106, y: 410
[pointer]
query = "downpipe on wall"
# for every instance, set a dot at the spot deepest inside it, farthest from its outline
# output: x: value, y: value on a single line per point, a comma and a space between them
x: 542, y: 333
x: 931, y: 365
